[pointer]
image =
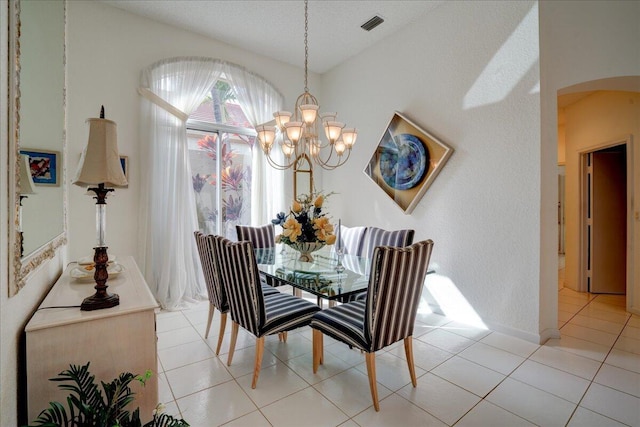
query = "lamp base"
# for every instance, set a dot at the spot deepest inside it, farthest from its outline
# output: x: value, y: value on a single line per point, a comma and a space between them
x: 101, y: 299
x: 98, y: 302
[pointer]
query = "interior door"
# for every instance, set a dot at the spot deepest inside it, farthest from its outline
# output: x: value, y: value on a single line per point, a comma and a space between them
x: 609, y: 221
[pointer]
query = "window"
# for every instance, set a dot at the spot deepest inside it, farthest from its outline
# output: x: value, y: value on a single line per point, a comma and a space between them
x: 221, y: 142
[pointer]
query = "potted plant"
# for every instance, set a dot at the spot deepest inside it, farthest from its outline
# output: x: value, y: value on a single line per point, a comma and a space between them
x: 88, y: 406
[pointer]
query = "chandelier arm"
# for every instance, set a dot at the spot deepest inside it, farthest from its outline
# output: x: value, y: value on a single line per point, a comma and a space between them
x: 324, y: 164
x: 278, y: 166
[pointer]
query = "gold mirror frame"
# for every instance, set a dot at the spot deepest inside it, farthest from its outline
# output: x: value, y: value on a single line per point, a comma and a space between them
x: 302, y: 171
x: 21, y: 267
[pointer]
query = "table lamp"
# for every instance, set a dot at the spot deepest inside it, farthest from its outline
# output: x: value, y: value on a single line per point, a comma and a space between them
x: 26, y: 187
x: 100, y: 165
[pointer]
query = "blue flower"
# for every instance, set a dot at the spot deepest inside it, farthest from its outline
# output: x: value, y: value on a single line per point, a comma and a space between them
x: 279, y: 219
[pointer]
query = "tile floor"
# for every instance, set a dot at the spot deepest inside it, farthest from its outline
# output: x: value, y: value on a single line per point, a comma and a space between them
x: 466, y: 376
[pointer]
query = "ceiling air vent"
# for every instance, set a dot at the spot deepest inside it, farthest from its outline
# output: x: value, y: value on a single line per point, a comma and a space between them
x: 372, y: 23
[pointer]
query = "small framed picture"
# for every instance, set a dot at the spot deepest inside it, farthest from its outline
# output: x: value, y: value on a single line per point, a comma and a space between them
x: 44, y: 166
x: 406, y: 161
x: 124, y: 162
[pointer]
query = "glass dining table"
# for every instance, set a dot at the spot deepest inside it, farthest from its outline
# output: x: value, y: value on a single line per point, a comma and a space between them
x: 322, y: 277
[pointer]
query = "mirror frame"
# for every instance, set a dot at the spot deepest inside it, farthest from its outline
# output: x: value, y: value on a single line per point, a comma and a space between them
x: 21, y: 267
x: 302, y: 166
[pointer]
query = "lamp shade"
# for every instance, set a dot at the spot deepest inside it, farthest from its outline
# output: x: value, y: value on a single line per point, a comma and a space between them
x: 26, y: 181
x: 100, y: 161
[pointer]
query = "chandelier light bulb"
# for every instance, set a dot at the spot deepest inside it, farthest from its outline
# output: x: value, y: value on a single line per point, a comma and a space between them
x: 266, y: 136
x: 309, y: 113
x: 282, y: 118
x: 288, y: 150
x: 294, y: 131
x: 333, y: 130
x: 349, y: 136
x: 314, y: 149
x: 340, y: 147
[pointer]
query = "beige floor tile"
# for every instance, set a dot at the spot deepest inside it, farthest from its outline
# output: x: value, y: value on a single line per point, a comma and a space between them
x: 305, y: 408
x: 559, y: 383
x: 583, y: 417
x: 532, y: 404
x: 486, y: 414
x: 397, y: 411
x: 350, y: 391
x: 440, y: 398
x: 513, y: 345
x: 619, y: 379
x: 566, y: 361
x: 612, y: 403
x: 468, y: 375
x: 492, y: 358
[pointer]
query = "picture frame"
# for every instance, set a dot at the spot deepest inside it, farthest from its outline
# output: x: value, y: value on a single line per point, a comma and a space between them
x: 406, y: 161
x: 44, y: 166
x: 124, y: 162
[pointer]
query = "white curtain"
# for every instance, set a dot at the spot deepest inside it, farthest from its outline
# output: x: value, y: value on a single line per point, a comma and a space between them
x: 171, y: 90
x: 168, y: 214
x: 259, y: 101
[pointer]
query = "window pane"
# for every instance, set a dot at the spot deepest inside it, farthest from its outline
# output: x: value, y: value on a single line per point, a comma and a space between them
x: 202, y: 156
x: 233, y: 188
x: 221, y: 107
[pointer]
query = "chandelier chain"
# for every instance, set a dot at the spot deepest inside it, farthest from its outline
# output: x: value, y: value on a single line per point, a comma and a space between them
x: 306, y: 46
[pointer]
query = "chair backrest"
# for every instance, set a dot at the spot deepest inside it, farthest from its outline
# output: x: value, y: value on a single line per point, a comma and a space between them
x: 352, y: 239
x: 210, y: 269
x: 261, y: 237
x: 240, y: 279
x: 379, y: 237
x: 393, y: 296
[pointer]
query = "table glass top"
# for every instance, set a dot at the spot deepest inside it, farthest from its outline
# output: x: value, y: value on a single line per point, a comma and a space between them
x: 320, y: 277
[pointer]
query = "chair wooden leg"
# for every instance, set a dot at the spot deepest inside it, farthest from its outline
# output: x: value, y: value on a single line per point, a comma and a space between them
x: 232, y: 345
x: 223, y: 325
x: 258, y: 362
x: 284, y: 336
x: 317, y: 349
x: 371, y: 371
x: 209, y: 320
x: 408, y: 350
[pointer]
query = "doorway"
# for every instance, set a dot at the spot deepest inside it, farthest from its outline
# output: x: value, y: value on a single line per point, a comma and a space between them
x: 605, y: 206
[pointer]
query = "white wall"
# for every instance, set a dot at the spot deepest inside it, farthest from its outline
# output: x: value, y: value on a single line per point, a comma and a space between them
x: 468, y: 74
x: 107, y: 49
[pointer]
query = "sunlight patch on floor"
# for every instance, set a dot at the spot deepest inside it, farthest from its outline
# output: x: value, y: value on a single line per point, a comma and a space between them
x: 443, y: 297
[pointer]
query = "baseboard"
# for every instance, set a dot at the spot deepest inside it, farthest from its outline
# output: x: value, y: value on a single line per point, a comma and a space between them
x: 540, y: 338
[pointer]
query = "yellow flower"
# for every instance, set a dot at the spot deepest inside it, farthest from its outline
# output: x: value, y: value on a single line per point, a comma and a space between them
x: 331, y: 239
x: 292, y: 229
x: 323, y: 229
x: 318, y: 202
x: 296, y: 207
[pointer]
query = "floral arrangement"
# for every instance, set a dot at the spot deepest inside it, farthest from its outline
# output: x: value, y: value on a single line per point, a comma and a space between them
x: 306, y: 222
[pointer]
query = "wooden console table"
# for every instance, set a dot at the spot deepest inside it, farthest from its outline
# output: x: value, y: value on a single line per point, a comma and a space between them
x: 114, y: 340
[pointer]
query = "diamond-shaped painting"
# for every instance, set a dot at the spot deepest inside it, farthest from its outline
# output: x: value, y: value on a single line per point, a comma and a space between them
x: 406, y: 162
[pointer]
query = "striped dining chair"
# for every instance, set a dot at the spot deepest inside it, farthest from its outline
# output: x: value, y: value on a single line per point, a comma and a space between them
x: 261, y: 237
x: 216, y: 293
x: 259, y: 314
x: 352, y: 239
x: 378, y: 237
x: 386, y: 316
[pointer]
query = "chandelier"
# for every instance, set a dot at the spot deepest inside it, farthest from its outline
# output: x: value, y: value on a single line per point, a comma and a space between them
x: 298, y: 133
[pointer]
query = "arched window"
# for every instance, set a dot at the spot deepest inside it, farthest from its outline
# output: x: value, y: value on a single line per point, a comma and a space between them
x: 176, y: 146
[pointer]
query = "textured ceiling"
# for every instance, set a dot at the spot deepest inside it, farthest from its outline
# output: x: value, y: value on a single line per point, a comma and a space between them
x: 276, y: 28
